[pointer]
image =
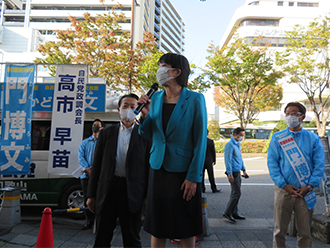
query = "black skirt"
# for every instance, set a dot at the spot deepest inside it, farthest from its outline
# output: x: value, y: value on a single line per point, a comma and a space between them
x: 168, y: 215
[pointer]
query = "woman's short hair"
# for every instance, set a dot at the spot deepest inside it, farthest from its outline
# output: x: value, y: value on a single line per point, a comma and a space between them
x: 177, y: 61
x: 301, y: 107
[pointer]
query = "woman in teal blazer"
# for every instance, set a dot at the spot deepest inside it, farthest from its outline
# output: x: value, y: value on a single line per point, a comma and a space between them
x: 175, y: 119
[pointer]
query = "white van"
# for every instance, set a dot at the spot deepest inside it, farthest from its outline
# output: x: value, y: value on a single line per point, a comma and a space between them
x: 41, y: 188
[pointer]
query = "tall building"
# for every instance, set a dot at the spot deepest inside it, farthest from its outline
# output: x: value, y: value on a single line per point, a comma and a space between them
x: 270, y: 19
x: 169, y: 26
x: 24, y: 24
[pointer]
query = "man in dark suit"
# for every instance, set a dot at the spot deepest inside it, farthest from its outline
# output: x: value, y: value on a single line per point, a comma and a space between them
x: 118, y: 182
x: 210, y: 160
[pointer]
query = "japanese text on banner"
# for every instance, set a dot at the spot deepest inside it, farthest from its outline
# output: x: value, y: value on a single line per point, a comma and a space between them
x: 15, y: 152
x: 67, y: 119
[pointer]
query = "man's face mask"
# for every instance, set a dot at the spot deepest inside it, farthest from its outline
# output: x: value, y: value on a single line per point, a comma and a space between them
x: 162, y: 76
x: 95, y: 129
x: 292, y: 121
x: 127, y: 114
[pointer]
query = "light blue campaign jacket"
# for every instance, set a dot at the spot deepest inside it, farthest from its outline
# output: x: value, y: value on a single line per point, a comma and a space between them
x: 182, y: 147
x: 86, y: 153
x: 233, y: 156
x: 280, y: 169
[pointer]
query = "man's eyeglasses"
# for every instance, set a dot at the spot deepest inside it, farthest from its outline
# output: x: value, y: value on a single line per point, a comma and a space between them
x: 293, y: 113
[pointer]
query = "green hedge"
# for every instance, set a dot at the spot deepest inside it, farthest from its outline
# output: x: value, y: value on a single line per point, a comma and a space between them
x: 256, y: 146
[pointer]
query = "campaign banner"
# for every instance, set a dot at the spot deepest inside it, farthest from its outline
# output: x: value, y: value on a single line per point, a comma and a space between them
x: 67, y: 119
x: 15, y: 152
x: 43, y: 94
x: 298, y: 163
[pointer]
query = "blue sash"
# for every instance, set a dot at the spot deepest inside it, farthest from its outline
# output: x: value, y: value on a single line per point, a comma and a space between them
x: 298, y: 163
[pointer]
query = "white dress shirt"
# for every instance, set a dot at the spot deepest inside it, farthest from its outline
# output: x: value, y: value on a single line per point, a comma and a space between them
x: 124, y: 137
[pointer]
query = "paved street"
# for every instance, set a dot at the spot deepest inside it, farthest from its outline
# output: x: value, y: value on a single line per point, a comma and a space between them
x: 256, y: 204
x: 257, y: 191
x: 257, y: 200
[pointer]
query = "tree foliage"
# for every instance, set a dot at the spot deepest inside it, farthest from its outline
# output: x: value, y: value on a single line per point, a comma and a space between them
x: 214, y: 129
x: 267, y: 99
x: 312, y: 123
x: 100, y: 42
x: 148, y: 69
x: 246, y: 79
x: 306, y: 62
x: 280, y: 125
x: 196, y: 82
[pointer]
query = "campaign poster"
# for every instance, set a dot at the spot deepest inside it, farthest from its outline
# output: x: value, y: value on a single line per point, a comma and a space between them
x: 16, y: 114
x: 67, y: 118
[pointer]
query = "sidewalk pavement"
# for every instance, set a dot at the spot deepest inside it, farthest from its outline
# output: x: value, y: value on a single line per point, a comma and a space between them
x: 253, y: 233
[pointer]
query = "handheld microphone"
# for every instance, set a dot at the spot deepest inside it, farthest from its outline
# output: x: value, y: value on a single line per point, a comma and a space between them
x: 150, y: 92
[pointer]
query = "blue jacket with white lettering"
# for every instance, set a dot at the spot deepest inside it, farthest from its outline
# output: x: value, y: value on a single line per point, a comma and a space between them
x: 280, y: 169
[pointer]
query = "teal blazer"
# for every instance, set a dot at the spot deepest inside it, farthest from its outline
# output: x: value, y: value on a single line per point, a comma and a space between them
x: 182, y: 147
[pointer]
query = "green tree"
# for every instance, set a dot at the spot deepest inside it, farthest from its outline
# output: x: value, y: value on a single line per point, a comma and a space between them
x: 267, y: 99
x: 306, y: 62
x: 214, y: 129
x: 196, y: 82
x: 243, y: 72
x: 148, y: 69
x: 100, y: 42
x: 312, y: 123
x: 280, y: 125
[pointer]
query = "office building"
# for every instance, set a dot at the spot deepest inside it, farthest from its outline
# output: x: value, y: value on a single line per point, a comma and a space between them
x: 24, y: 24
x: 270, y: 19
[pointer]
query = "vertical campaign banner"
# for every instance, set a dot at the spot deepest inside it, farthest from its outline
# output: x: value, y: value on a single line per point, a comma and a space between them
x: 67, y: 119
x: 15, y: 152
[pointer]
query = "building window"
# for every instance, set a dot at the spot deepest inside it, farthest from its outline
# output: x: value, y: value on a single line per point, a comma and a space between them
x: 260, y: 22
x: 267, y: 41
x: 291, y: 4
x: 47, y: 32
x: 280, y: 3
x: 254, y: 3
x: 308, y: 4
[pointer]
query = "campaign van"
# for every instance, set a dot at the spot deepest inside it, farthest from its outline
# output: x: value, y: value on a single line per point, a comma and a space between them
x: 42, y: 128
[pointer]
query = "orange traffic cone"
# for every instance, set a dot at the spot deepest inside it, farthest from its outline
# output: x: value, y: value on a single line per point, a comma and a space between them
x: 45, y: 236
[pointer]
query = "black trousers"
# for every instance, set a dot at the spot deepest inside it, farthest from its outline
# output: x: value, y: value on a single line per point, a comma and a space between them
x: 116, y: 206
x: 210, y: 173
x: 235, y: 194
x: 88, y: 214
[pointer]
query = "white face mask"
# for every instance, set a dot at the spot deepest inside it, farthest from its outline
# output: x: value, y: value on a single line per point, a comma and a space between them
x: 162, y: 76
x: 292, y: 121
x: 240, y: 138
x: 126, y: 114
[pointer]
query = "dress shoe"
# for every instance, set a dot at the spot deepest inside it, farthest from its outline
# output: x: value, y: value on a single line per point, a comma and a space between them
x: 216, y: 190
x: 87, y: 225
x: 238, y: 217
x: 231, y: 219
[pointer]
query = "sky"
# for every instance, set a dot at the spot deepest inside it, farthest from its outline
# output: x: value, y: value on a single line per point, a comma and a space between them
x: 205, y: 22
